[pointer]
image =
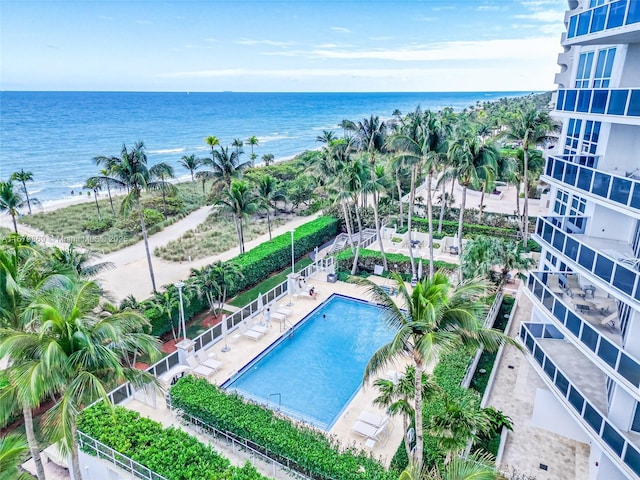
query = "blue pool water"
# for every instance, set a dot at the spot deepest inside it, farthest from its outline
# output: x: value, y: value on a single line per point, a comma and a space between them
x: 319, y: 369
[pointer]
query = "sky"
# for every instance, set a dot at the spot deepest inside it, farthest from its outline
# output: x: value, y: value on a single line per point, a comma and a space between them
x: 268, y: 46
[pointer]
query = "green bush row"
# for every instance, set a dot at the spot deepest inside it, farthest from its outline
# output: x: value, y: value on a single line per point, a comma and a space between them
x: 450, y: 228
x: 169, y: 452
x: 368, y: 259
x: 315, y: 455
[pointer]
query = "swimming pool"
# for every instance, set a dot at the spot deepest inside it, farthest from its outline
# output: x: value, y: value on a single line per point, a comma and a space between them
x: 314, y: 373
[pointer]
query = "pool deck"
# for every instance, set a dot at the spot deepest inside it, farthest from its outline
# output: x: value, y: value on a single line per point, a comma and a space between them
x: 243, y: 350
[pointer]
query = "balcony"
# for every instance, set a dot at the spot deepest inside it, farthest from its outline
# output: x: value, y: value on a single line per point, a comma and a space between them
x: 583, y: 393
x: 581, y: 172
x: 612, y: 22
x: 622, y: 103
x: 607, y: 260
x: 594, y: 332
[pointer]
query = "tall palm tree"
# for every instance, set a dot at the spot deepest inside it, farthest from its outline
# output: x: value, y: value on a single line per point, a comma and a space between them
x: 163, y: 172
x: 473, y: 160
x: 24, y: 177
x: 268, y: 194
x: 240, y: 201
x: 93, y: 184
x: 435, y: 317
x: 253, y: 141
x: 225, y: 166
x: 351, y: 179
x: 515, y: 174
x: 371, y: 134
x: 477, y: 466
x: 327, y: 137
x: 213, y: 142
x: 10, y: 202
x: 53, y: 357
x: 106, y: 173
x: 226, y: 275
x: 267, y: 158
x: 237, y: 143
x: 191, y: 163
x: 132, y: 172
x: 206, y: 285
x: 81, y: 263
x: 531, y: 127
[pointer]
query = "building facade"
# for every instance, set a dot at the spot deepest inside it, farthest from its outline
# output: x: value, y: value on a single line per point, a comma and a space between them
x: 583, y: 337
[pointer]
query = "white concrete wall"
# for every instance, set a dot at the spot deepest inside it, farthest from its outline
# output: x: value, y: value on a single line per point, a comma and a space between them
x: 609, y: 224
x: 631, y: 68
x: 550, y: 414
x: 622, y: 147
x: 632, y: 343
x: 95, y: 469
x: 621, y: 408
x: 607, y: 470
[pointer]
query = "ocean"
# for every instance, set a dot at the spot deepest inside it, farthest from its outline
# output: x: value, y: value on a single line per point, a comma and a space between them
x: 56, y: 135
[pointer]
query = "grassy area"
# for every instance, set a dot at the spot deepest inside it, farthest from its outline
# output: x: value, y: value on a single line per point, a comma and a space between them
x: 215, y: 235
x: 69, y: 223
x: 250, y: 295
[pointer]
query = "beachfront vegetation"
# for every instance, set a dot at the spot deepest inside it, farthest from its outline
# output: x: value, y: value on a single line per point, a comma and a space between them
x: 169, y: 452
x: 305, y: 450
x: 10, y: 201
x: 24, y: 177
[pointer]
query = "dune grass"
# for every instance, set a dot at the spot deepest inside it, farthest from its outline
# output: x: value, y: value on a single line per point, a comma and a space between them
x: 215, y: 235
x: 68, y: 224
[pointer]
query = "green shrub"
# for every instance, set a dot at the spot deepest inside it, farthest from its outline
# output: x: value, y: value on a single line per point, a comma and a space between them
x: 96, y: 226
x: 132, y: 222
x: 450, y: 228
x: 368, y: 259
x: 315, y: 455
x: 169, y: 452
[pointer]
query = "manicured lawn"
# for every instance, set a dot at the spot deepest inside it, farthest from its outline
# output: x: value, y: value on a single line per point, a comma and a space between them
x: 250, y: 295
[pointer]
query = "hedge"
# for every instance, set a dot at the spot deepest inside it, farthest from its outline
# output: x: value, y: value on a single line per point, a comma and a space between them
x: 169, y: 452
x: 368, y: 259
x: 315, y: 455
x: 450, y: 228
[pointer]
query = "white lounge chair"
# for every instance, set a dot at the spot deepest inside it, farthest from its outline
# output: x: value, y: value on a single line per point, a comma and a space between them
x: 259, y: 328
x: 198, y: 369
x: 609, y: 320
x: 249, y: 333
x: 373, y: 419
x: 208, y: 361
x: 379, y: 434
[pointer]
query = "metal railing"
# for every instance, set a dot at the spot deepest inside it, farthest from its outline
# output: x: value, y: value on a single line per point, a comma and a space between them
x: 603, y: 17
x: 611, y: 440
x: 609, y: 356
x: 622, y: 102
x: 98, y: 449
x: 624, y: 191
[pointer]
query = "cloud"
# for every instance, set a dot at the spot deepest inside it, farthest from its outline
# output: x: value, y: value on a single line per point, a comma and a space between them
x: 104, y: 17
x: 545, y: 16
x: 144, y: 22
x: 487, y: 8
x: 271, y: 43
x: 340, y: 29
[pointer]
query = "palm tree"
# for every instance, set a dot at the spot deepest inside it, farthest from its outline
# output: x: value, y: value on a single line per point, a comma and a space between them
x: 515, y: 174
x: 253, y: 142
x: 93, y: 183
x: 162, y: 172
x: 485, y: 253
x: 268, y: 194
x: 213, y: 142
x: 371, y: 134
x: 10, y: 202
x: 12, y: 448
x: 327, y: 137
x: 81, y: 263
x: 435, y: 317
x: 52, y: 358
x: 167, y: 304
x: 477, y: 466
x: 105, y: 176
x: 226, y: 275
x: 267, y: 158
x: 473, y: 160
x: 225, y: 166
x: 206, y: 285
x: 351, y: 179
x: 191, y: 163
x: 237, y: 144
x: 132, y: 172
x: 532, y: 128
x: 23, y: 177
x: 240, y: 201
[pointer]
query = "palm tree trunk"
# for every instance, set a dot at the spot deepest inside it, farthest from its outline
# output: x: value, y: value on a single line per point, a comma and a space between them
x: 399, y: 186
x: 460, y: 222
x: 164, y: 200
x: 113, y: 212
x: 34, y: 448
x: 347, y: 223
x: 525, y: 205
x: 26, y: 194
x: 407, y: 445
x: 95, y: 197
x: 75, y: 455
x: 518, y: 218
x: 146, y: 243
x: 430, y: 215
x: 443, y: 205
x: 484, y: 186
x: 354, y: 267
x: 235, y: 220
x: 412, y: 199
x: 241, y: 234
x: 269, y: 224
x: 376, y: 217
x: 417, y: 456
x: 15, y: 224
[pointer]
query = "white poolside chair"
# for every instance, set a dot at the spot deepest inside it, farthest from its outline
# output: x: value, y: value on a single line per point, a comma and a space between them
x: 199, y: 370
x: 263, y: 329
x: 373, y: 419
x: 208, y: 361
x: 249, y: 333
x: 363, y: 429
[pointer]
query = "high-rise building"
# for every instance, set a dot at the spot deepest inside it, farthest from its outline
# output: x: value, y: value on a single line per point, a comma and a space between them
x: 583, y: 337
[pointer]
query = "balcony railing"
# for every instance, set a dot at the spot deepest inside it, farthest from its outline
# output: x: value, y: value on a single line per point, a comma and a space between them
x: 611, y: 439
x: 604, y: 17
x: 583, y: 333
x: 561, y: 234
x: 580, y: 171
x: 623, y: 102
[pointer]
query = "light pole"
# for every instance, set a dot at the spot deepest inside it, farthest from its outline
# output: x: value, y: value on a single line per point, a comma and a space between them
x: 179, y: 285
